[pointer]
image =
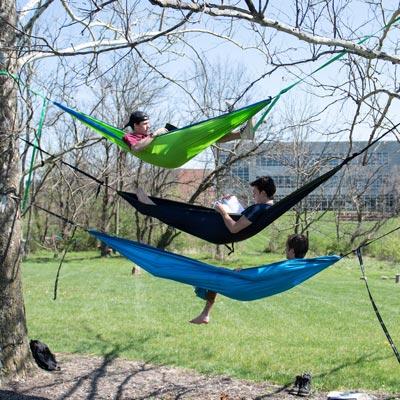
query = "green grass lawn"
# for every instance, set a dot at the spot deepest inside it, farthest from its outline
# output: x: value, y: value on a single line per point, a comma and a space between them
x: 326, y: 325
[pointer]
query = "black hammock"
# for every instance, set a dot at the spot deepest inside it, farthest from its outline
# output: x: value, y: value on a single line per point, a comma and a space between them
x: 207, y: 224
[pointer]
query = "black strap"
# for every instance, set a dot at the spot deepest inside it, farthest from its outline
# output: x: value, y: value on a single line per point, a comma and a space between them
x: 75, y: 225
x: 230, y: 247
x: 365, y: 244
x: 68, y: 221
x: 101, y: 183
x: 349, y: 158
x: 385, y: 330
x: 62, y: 261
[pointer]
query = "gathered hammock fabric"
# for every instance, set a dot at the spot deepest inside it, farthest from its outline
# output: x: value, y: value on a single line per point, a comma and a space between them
x: 245, y: 285
x: 207, y: 224
x: 175, y: 148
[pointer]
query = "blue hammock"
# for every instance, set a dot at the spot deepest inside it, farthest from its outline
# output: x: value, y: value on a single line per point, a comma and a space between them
x: 248, y: 284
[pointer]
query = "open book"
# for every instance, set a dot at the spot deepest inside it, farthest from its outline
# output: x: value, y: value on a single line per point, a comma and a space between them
x: 232, y: 204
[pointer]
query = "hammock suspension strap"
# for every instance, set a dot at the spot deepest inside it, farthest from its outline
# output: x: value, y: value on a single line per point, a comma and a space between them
x: 37, y: 139
x: 378, y: 315
x: 230, y: 247
x: 330, y: 61
x: 100, y: 182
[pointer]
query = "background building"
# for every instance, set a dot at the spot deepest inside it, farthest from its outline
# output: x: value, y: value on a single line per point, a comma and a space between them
x: 369, y: 183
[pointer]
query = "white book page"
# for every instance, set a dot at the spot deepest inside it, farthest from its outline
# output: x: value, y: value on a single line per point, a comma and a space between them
x: 232, y: 204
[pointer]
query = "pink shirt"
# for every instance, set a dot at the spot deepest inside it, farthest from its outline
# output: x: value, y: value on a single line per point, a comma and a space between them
x: 132, y: 138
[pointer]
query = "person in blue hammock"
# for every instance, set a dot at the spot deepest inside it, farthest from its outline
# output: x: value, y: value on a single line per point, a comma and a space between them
x: 138, y: 134
x: 296, y: 247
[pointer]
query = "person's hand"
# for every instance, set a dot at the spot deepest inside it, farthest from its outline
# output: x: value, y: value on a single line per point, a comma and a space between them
x: 221, y: 208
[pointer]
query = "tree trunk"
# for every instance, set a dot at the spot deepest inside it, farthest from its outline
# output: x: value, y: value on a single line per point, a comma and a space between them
x: 14, y: 348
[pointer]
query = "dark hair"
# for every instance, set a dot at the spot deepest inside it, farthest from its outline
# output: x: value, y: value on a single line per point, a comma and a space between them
x: 135, y: 118
x: 299, y: 244
x: 266, y: 184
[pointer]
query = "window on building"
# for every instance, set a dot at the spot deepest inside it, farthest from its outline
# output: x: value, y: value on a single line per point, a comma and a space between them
x: 241, y: 170
x: 378, y: 158
x: 264, y: 161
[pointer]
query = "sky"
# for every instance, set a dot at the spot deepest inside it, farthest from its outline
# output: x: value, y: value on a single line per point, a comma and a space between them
x: 253, y: 62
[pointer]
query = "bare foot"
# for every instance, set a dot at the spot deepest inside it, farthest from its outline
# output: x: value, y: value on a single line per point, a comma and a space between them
x: 200, y: 320
x: 143, y: 198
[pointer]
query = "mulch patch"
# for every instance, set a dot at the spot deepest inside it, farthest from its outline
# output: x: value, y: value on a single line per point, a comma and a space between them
x: 95, y: 378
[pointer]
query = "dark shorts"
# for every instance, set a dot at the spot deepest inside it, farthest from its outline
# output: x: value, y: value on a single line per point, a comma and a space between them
x: 200, y: 292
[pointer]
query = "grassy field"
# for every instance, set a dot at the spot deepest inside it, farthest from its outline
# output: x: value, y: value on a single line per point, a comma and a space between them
x: 326, y: 325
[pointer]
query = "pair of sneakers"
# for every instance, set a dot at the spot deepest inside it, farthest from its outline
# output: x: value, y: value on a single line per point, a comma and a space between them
x: 302, y: 385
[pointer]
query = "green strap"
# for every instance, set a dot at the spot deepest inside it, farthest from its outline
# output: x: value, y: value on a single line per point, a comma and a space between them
x: 330, y: 61
x: 4, y: 72
x: 37, y: 138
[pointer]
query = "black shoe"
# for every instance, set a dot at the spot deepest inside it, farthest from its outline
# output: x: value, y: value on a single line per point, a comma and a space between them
x: 248, y: 131
x: 297, y: 384
x: 305, y: 387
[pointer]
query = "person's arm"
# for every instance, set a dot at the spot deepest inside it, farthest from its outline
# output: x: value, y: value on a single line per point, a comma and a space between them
x: 232, y: 225
x: 141, y: 144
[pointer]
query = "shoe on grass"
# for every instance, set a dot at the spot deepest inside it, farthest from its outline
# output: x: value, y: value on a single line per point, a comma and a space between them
x: 297, y: 385
x: 305, y: 386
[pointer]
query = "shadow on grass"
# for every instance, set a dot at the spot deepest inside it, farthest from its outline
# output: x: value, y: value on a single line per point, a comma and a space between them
x: 283, y: 390
x: 360, y: 360
x: 10, y: 395
x: 45, y: 260
x: 93, y: 377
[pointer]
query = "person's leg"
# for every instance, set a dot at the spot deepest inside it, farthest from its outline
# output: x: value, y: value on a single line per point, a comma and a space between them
x: 248, y: 131
x: 204, y: 316
x: 244, y: 133
x: 143, y: 198
x: 235, y: 135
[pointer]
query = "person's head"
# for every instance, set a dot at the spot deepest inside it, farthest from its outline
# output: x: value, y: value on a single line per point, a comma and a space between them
x: 296, y: 246
x: 139, y: 122
x: 264, y: 186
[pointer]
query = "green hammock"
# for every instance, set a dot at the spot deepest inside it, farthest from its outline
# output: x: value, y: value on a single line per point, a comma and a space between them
x: 173, y: 149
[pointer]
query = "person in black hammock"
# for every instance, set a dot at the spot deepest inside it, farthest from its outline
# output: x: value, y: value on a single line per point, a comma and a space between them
x: 263, y: 193
x: 296, y: 247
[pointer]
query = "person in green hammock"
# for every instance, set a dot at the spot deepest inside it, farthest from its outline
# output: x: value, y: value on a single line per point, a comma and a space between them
x: 296, y: 247
x: 138, y: 135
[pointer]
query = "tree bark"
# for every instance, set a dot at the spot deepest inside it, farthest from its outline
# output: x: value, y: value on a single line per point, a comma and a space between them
x: 14, y: 348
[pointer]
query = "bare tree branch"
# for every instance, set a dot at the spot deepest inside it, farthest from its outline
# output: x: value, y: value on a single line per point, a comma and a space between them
x: 238, y: 13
